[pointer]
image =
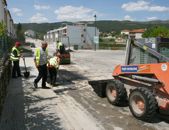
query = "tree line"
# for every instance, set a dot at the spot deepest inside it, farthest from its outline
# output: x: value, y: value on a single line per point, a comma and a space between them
x: 153, y: 27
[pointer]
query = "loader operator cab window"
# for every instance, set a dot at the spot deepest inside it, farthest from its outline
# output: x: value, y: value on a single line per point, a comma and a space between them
x: 164, y: 49
x: 140, y: 56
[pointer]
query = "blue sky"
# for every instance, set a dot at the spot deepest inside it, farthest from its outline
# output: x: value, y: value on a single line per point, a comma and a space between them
x: 39, y: 11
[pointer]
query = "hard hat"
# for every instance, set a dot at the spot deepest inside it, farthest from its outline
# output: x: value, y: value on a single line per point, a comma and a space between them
x: 17, y: 44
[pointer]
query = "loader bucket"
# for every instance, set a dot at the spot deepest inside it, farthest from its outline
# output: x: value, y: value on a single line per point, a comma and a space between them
x: 99, y: 86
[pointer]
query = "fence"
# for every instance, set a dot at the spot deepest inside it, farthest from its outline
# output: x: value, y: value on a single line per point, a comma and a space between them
x: 5, y: 67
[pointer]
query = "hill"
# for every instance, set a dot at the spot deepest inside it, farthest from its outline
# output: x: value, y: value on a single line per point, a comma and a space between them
x: 104, y: 26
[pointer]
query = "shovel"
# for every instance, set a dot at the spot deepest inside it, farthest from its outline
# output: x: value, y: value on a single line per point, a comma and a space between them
x: 26, y: 73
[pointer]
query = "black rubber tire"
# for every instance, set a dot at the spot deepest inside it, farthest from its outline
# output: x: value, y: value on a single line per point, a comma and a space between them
x: 150, y: 104
x: 121, y: 93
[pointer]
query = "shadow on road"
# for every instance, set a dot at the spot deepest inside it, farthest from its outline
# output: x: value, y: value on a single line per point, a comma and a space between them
x: 70, y: 76
x: 37, y: 118
x: 20, y: 111
x: 66, y: 79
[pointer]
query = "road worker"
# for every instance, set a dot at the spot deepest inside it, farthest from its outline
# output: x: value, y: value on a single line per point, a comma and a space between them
x: 41, y: 60
x: 53, y: 67
x: 59, y: 46
x: 15, y: 57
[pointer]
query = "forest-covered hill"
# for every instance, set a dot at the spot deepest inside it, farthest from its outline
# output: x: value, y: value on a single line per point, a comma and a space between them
x: 104, y: 26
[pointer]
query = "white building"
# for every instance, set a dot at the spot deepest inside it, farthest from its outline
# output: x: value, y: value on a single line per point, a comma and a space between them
x: 8, y: 23
x: 135, y: 33
x: 3, y: 5
x: 6, y: 18
x: 30, y: 33
x: 13, y: 30
x: 125, y: 32
x: 79, y: 34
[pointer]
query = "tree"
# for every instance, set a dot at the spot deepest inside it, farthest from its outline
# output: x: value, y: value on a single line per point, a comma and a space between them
x: 20, y: 33
x: 2, y: 29
x: 158, y: 31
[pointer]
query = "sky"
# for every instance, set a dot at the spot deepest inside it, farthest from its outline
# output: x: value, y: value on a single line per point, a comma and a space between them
x: 40, y: 11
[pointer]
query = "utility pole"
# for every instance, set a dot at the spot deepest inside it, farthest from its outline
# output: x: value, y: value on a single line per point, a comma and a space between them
x: 95, y: 29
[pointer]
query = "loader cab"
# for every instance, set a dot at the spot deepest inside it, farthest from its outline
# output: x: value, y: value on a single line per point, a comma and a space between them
x: 140, y: 54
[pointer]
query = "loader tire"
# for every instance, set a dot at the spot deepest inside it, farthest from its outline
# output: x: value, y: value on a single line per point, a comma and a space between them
x: 116, y: 93
x: 142, y: 104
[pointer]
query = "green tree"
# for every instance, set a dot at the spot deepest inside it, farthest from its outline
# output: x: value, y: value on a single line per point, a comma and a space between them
x: 158, y: 31
x: 2, y: 29
x: 20, y: 33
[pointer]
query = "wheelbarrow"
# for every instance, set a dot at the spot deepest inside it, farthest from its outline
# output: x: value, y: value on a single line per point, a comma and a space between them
x: 26, y: 73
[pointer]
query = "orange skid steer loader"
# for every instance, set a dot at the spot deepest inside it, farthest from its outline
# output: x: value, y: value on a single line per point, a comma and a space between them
x: 146, y: 71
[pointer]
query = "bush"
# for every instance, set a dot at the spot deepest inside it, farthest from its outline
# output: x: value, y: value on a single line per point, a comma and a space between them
x: 112, y: 40
x: 112, y: 46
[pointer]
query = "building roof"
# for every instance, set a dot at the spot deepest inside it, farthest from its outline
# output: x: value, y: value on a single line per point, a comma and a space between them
x: 137, y: 31
x: 125, y: 30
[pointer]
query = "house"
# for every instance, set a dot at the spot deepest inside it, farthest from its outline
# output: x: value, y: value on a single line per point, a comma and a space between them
x: 30, y: 33
x: 135, y: 33
x: 78, y: 34
x: 120, y: 40
x: 125, y: 32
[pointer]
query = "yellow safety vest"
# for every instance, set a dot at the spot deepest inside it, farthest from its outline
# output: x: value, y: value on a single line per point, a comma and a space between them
x: 54, y: 62
x: 12, y: 56
x: 59, y: 45
x: 38, y: 55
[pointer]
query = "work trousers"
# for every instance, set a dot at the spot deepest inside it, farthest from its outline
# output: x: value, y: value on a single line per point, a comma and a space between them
x: 52, y: 74
x: 16, y: 69
x: 42, y: 75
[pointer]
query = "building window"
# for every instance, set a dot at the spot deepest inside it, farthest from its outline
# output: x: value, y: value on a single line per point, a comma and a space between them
x: 64, y: 30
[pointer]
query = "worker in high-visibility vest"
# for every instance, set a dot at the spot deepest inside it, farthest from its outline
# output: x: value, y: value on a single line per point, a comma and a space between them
x: 15, y: 57
x: 59, y: 46
x: 41, y: 60
x: 53, y: 67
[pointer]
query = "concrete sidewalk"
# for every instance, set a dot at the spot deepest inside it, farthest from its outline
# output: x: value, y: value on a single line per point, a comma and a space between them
x: 27, y: 108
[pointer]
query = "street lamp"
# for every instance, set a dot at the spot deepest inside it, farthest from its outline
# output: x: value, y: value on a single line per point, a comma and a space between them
x: 95, y: 29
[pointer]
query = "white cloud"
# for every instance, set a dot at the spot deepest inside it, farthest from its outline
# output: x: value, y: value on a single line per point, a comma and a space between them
x: 127, y: 17
x: 159, y: 8
x: 143, y: 5
x: 17, y: 11
x: 152, y: 18
x: 72, y: 13
x: 38, y: 18
x: 41, y: 7
x: 135, y: 6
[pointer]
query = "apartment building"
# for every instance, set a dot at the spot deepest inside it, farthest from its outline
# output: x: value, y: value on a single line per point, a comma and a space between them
x: 79, y: 34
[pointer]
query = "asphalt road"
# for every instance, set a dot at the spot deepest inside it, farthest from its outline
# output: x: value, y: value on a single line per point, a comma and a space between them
x: 72, y: 104
x: 92, y: 65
